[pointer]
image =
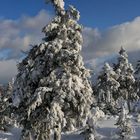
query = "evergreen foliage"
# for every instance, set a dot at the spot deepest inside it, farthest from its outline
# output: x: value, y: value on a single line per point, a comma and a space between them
x: 125, y: 129
x: 126, y: 79
x: 106, y: 87
x: 5, y: 106
x: 51, y: 90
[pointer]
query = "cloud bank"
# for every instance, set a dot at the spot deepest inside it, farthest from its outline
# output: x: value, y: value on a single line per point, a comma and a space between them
x: 7, y: 70
x: 98, y: 44
x: 17, y: 35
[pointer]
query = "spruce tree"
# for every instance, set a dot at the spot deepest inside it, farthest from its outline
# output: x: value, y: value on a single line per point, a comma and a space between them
x: 125, y: 129
x: 137, y: 76
x: 90, y: 132
x: 5, y: 107
x: 51, y: 87
x: 126, y: 78
x: 2, y: 108
x: 138, y: 68
x: 106, y: 88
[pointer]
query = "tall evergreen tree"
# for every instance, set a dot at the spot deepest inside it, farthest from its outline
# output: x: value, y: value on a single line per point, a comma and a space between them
x: 126, y: 78
x: 106, y: 88
x: 51, y: 88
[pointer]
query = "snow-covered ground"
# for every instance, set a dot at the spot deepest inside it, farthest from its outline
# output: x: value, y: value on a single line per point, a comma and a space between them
x: 106, y: 130
x: 14, y: 134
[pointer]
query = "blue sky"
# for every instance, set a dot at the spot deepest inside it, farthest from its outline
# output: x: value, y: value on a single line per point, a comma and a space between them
x: 94, y: 13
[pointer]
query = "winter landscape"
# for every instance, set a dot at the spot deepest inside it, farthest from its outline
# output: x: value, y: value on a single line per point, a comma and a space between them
x: 57, y: 91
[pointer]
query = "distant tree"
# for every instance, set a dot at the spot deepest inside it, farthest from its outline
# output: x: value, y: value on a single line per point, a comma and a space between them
x: 106, y: 87
x: 125, y: 129
x: 52, y: 92
x: 1, y: 90
x: 5, y: 107
x: 138, y: 68
x: 89, y: 131
x: 126, y: 78
x: 137, y: 76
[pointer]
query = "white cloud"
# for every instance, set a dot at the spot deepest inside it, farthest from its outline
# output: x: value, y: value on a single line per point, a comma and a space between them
x: 17, y: 35
x: 7, y: 70
x: 98, y: 44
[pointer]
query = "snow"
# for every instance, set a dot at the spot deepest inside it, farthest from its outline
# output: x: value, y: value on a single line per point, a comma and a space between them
x: 106, y: 130
x: 59, y: 3
x: 14, y: 134
x: 53, y: 90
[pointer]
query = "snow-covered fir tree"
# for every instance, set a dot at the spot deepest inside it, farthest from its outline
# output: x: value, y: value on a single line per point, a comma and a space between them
x: 1, y: 90
x: 5, y: 106
x: 2, y: 107
x: 125, y: 129
x: 138, y: 68
x: 137, y: 119
x: 106, y: 88
x: 126, y: 78
x: 8, y: 90
x: 137, y: 76
x: 90, y: 133
x: 51, y: 90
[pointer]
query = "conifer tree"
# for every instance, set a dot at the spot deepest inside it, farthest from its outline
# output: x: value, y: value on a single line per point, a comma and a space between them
x: 90, y: 132
x: 5, y: 107
x: 52, y: 88
x: 126, y: 78
x: 2, y: 108
x: 125, y: 129
x: 137, y: 76
x: 138, y: 68
x: 106, y: 88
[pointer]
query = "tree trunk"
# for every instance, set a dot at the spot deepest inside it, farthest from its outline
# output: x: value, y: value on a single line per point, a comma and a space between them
x: 129, y: 106
x: 48, y: 134
x: 31, y: 136
x: 57, y: 132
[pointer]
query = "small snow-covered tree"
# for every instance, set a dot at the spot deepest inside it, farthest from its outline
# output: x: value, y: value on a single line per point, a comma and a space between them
x: 9, y: 88
x: 5, y: 106
x: 137, y: 76
x: 51, y: 90
x: 125, y: 129
x: 138, y: 68
x: 106, y: 88
x: 2, y: 108
x: 126, y: 78
x: 89, y: 131
x: 1, y: 90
